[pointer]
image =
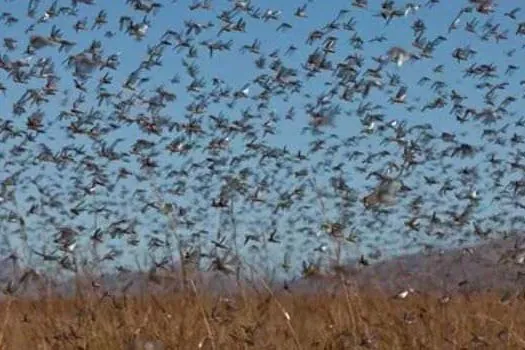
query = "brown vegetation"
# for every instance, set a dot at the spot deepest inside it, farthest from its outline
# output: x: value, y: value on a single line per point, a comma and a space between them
x: 461, y: 299
x: 340, y: 317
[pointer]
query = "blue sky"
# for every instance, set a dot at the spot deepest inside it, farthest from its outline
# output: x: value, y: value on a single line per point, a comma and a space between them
x: 237, y: 69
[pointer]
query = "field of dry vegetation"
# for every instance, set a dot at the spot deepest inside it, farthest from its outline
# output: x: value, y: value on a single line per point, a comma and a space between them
x: 340, y: 316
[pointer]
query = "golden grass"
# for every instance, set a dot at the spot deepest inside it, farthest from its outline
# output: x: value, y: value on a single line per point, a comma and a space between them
x: 343, y: 318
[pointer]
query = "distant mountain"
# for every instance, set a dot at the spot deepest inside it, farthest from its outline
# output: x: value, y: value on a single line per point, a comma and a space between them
x: 476, y: 268
x: 493, y: 265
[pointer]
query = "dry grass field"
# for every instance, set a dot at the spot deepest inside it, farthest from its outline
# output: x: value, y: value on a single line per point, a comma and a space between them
x: 457, y: 301
x: 341, y: 317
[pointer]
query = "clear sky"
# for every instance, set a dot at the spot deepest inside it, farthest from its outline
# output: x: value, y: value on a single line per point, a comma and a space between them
x: 237, y: 69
